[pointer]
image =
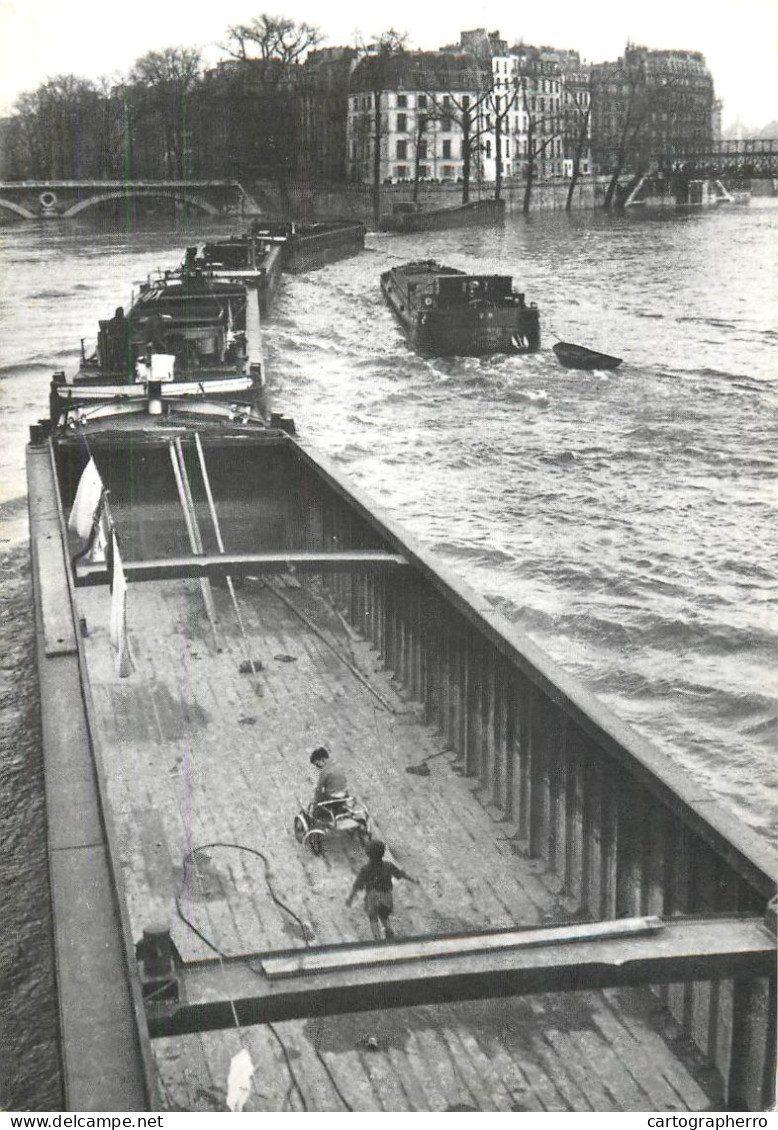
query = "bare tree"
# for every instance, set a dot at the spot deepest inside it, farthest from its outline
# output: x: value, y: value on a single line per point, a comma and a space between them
x: 577, y: 128
x: 55, y: 131
x: 168, y: 77
x: 645, y: 126
x: 420, y: 151
x: 542, y: 130
x: 501, y: 100
x: 457, y: 89
x: 376, y: 64
x: 271, y: 37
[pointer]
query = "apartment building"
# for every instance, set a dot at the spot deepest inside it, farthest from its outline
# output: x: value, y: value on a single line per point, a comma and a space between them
x: 422, y: 108
x: 656, y: 105
x: 477, y: 110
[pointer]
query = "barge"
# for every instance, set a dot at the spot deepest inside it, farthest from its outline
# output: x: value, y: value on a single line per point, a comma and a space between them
x: 258, y: 256
x: 445, y: 311
x: 591, y: 930
x: 406, y: 217
x: 186, y: 338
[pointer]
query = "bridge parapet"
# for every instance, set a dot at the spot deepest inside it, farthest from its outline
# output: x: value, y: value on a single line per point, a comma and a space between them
x: 35, y: 199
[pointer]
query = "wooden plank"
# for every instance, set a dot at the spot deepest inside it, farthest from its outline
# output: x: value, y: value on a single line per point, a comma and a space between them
x: 240, y: 564
x: 59, y: 637
x: 690, y: 950
x: 316, y: 961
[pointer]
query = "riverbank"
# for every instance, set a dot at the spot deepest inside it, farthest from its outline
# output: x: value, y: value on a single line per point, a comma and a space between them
x: 309, y: 202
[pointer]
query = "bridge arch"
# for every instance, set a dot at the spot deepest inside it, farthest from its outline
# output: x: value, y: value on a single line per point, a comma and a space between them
x: 25, y: 213
x: 122, y: 194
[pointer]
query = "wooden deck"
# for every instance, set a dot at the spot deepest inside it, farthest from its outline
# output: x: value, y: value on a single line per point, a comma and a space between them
x: 199, y: 753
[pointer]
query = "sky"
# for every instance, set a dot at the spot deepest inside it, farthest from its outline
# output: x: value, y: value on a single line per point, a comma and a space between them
x: 95, y: 38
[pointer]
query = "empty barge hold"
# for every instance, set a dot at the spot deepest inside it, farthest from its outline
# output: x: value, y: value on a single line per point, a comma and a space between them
x: 178, y: 715
x: 445, y: 311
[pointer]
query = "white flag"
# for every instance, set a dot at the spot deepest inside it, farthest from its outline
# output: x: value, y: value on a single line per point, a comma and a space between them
x: 119, y: 641
x: 88, y: 495
x: 239, y: 1080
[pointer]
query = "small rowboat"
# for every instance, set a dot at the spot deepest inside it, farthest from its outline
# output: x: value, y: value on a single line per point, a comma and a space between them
x: 579, y: 357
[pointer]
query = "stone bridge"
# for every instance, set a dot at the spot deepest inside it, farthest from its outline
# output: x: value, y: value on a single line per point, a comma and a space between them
x: 32, y: 200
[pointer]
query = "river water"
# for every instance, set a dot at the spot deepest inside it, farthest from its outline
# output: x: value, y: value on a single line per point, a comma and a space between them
x: 626, y: 521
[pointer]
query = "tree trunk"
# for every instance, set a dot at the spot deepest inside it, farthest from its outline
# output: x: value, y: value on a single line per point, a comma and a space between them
x: 465, y: 158
x: 377, y: 159
x: 530, y: 167
x: 497, y: 157
x: 579, y: 148
x: 612, y: 186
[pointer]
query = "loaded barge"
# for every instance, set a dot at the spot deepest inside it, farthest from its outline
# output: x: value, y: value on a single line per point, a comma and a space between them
x: 591, y: 930
x: 258, y: 256
x: 446, y: 312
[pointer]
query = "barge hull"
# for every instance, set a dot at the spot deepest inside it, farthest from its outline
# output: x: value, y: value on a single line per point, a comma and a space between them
x: 538, y: 806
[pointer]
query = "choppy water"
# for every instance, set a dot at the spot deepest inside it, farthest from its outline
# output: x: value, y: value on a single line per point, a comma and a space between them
x: 626, y: 521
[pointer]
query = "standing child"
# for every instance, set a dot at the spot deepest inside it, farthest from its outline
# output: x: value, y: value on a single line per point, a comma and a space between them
x: 375, y: 879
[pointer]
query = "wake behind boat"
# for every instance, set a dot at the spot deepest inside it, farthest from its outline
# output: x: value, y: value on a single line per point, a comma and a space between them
x: 445, y: 311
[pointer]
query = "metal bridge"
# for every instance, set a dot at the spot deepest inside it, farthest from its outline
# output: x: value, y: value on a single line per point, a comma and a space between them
x: 36, y: 199
x: 748, y: 159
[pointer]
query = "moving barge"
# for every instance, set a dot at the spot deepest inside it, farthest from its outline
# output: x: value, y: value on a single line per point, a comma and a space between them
x: 444, y: 311
x: 565, y: 864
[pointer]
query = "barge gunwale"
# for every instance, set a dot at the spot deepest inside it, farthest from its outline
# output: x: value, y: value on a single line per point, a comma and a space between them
x: 743, y: 848
x: 88, y: 959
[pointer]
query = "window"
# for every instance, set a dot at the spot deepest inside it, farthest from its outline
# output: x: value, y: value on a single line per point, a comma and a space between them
x: 447, y: 150
x: 421, y: 150
x: 424, y: 170
x: 422, y: 101
x: 445, y: 125
x: 402, y: 123
x: 446, y: 101
x: 448, y: 172
x: 402, y: 150
x: 488, y: 149
x: 401, y: 172
x: 402, y: 100
x: 507, y: 148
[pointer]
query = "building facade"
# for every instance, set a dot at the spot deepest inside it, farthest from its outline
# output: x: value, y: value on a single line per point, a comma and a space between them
x: 650, y: 108
x: 477, y: 110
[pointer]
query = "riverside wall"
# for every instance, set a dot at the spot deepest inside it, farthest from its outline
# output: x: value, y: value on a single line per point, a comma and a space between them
x: 308, y: 202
